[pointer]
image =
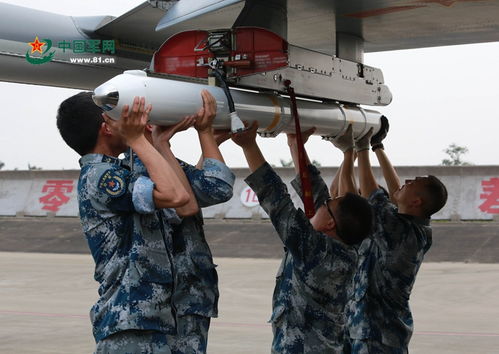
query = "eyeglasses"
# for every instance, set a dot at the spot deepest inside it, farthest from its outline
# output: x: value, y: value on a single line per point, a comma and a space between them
x: 326, y: 203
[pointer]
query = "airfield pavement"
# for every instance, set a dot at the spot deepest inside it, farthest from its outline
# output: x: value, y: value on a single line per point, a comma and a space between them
x: 45, y: 296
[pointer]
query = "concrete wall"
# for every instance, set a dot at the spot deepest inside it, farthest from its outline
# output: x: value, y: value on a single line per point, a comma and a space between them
x: 473, y: 192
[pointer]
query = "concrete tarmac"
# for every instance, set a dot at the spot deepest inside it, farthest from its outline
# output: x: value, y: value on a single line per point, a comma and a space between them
x: 45, y: 298
x: 474, y: 242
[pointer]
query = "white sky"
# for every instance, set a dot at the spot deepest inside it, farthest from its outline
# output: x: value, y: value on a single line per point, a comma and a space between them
x: 441, y: 96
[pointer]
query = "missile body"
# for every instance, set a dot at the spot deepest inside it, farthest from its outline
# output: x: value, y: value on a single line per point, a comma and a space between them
x: 172, y: 100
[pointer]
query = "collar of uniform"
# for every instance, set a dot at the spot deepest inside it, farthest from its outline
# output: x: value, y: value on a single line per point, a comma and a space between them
x: 423, y: 221
x: 97, y: 158
x: 416, y: 219
x: 127, y: 162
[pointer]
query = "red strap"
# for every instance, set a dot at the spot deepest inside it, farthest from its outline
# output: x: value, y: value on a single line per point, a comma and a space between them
x: 306, y: 184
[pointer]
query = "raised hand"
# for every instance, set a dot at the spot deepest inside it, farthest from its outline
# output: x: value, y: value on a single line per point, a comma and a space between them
x: 207, y: 113
x: 363, y: 143
x: 304, y: 135
x: 221, y: 135
x: 132, y: 122
x: 377, y: 139
x: 161, y: 135
x: 247, y: 137
x: 345, y: 141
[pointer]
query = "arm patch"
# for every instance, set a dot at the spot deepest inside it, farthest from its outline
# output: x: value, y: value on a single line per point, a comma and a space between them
x: 112, y: 183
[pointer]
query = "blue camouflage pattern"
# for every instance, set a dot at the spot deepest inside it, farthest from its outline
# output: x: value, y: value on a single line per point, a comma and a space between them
x: 192, y: 335
x: 380, y: 314
x: 131, y: 247
x: 196, y: 292
x: 138, y: 169
x: 320, y: 194
x: 320, y: 191
x: 196, y: 279
x: 368, y: 346
x: 212, y: 184
x: 134, y: 342
x: 357, y: 309
x: 310, y: 293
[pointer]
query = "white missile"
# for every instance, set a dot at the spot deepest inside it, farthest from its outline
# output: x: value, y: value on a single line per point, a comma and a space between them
x: 172, y: 100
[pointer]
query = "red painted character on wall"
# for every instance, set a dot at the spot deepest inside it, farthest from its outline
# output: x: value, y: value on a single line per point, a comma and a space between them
x: 55, y: 196
x: 491, y: 196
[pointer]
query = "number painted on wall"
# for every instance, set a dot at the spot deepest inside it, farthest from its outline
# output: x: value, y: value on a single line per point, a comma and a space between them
x: 249, y: 198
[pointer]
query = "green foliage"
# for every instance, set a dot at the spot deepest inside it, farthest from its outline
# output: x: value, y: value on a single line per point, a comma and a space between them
x: 33, y: 168
x: 316, y: 163
x: 290, y: 163
x: 455, y: 153
x: 285, y: 163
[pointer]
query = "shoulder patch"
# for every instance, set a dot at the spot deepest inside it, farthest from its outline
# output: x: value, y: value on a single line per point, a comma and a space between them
x: 112, y: 183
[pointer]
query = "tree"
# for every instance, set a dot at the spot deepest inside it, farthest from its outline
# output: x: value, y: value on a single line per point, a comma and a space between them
x: 455, y: 152
x: 1, y: 165
x: 285, y: 163
x: 290, y: 163
x: 316, y: 163
x: 33, y: 168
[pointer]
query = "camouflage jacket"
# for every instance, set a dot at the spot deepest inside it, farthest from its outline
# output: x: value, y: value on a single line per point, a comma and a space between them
x: 131, y: 247
x: 320, y: 192
x: 196, y: 290
x: 310, y: 292
x: 384, y: 281
x: 196, y: 280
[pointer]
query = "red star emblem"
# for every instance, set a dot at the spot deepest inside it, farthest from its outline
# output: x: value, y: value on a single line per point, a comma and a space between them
x: 111, y: 184
x: 36, y: 46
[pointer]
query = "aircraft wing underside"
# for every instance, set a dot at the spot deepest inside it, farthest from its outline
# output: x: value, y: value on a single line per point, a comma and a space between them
x: 382, y: 24
x: 344, y: 28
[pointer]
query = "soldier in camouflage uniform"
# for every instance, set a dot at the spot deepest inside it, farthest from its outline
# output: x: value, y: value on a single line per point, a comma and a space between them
x: 130, y: 244
x: 379, y: 317
x: 195, y: 295
x: 320, y: 194
x: 310, y: 292
x: 196, y: 291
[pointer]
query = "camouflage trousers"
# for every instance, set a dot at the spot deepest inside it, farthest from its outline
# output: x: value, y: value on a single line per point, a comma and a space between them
x: 192, y: 335
x: 372, y: 347
x: 134, y: 342
x: 289, y: 339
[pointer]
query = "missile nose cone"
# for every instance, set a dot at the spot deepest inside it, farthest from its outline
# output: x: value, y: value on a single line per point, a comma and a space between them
x: 106, y: 97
